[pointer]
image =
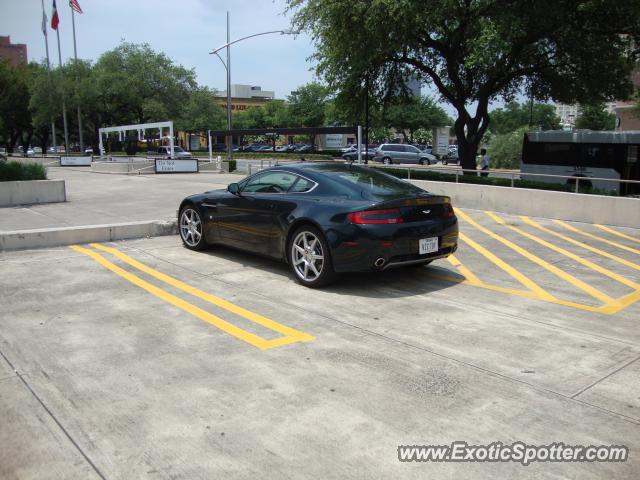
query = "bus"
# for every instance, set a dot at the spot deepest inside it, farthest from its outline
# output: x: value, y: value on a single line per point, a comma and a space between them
x: 586, y: 155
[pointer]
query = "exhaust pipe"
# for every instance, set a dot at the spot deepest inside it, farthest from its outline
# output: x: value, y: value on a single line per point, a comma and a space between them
x: 379, y: 263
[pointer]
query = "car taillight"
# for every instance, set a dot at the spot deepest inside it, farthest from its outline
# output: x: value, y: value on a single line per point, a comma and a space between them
x: 447, y: 211
x: 386, y: 216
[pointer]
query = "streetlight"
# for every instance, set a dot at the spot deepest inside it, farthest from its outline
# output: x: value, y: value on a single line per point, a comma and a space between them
x: 227, y: 67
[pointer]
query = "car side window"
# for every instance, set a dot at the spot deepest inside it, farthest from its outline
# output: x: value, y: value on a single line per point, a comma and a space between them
x: 302, y: 185
x: 411, y: 149
x: 270, y: 182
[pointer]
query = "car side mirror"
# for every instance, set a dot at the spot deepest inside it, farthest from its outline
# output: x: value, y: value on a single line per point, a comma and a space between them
x: 233, y: 188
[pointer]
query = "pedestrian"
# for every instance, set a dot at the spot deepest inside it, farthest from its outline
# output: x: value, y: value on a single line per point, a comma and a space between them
x: 484, y: 162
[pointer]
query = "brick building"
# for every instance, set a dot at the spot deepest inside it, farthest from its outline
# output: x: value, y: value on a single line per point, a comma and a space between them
x: 627, y: 116
x: 15, y: 53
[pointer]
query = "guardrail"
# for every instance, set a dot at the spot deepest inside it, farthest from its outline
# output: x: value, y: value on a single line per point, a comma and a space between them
x: 512, y: 174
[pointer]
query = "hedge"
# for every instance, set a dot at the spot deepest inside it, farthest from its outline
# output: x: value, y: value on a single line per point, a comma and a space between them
x: 500, y: 182
x: 13, y: 171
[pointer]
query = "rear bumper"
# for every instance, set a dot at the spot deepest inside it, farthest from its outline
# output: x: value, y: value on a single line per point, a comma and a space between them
x: 356, y: 248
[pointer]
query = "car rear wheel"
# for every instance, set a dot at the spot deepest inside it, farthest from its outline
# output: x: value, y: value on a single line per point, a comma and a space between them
x: 191, y: 229
x: 309, y: 257
x: 387, y: 161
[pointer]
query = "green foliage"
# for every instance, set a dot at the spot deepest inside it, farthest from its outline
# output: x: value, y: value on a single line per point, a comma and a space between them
x: 495, y: 181
x: 505, y: 149
x: 595, y: 117
x: 15, y: 117
x: 414, y: 113
x: 474, y: 52
x: 307, y: 105
x: 201, y: 112
x: 13, y: 171
x: 515, y: 115
x: 138, y: 85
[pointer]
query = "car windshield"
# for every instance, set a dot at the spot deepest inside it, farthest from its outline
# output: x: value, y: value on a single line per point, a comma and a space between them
x: 178, y: 149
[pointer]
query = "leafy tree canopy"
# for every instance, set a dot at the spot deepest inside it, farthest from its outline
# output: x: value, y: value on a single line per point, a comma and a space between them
x: 515, y: 115
x: 476, y: 51
x: 307, y: 105
x: 595, y: 117
x: 139, y: 85
x: 414, y: 113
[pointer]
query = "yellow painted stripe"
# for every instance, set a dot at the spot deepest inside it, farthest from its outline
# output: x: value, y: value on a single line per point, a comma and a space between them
x: 607, y: 309
x: 608, y: 255
x: 223, y: 325
x: 585, y: 287
x: 615, y: 232
x: 595, y: 237
x: 523, y: 279
x: 468, y: 274
x: 526, y: 281
x: 220, y: 302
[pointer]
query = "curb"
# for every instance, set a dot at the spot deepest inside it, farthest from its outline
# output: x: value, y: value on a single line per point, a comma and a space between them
x: 56, y: 237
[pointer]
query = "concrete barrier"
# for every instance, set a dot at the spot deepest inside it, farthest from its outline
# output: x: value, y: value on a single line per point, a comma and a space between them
x: 55, y: 237
x: 31, y: 191
x: 576, y: 207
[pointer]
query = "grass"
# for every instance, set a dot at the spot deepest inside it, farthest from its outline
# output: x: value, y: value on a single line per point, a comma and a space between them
x: 499, y: 182
x: 13, y: 171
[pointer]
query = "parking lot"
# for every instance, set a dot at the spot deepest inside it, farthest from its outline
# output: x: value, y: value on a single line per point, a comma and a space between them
x: 141, y: 359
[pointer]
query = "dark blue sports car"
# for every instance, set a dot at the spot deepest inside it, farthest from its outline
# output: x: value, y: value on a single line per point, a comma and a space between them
x: 322, y: 219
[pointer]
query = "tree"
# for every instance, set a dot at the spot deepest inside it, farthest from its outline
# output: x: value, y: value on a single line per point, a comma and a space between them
x: 307, y: 105
x: 138, y: 85
x: 201, y: 112
x: 15, y: 117
x: 515, y: 115
x: 505, y: 149
x: 475, y: 51
x: 413, y: 113
x: 595, y: 117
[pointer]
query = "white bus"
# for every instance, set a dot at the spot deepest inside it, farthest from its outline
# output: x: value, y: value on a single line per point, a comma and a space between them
x: 585, y: 154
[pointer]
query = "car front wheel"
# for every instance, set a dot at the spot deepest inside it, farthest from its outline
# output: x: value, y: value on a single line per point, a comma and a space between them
x: 191, y: 228
x: 387, y: 161
x: 309, y: 257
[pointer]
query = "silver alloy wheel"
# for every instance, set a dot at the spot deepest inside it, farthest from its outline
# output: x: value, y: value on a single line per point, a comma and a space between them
x: 387, y: 161
x: 307, y: 256
x: 190, y: 227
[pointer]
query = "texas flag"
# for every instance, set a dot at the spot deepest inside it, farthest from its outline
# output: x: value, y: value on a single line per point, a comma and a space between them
x: 54, y: 17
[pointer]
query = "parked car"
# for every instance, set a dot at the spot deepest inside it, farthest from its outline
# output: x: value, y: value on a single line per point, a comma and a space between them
x: 367, y: 154
x: 291, y: 213
x: 29, y: 152
x: 304, y: 149
x: 349, y: 148
x: 389, y: 153
x: 165, y: 152
x: 282, y: 148
x: 451, y: 157
x: 89, y: 150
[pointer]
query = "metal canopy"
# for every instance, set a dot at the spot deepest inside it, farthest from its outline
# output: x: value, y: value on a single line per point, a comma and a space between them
x: 140, y: 128
x: 286, y: 131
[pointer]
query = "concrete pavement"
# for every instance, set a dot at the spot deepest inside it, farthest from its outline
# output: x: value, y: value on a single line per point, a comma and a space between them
x: 103, y: 376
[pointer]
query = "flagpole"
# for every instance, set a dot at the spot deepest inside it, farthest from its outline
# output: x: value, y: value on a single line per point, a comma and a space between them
x: 46, y: 43
x: 75, y: 54
x: 64, y: 106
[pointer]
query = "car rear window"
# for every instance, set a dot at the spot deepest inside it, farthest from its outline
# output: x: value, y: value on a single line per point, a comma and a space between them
x: 374, y: 182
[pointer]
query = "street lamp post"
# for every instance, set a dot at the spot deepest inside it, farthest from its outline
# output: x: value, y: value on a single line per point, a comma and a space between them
x: 227, y: 66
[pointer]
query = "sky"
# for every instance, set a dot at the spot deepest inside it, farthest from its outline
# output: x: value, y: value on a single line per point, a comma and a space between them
x: 186, y: 30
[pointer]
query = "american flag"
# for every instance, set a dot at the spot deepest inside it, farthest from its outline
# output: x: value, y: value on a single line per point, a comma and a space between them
x: 75, y: 5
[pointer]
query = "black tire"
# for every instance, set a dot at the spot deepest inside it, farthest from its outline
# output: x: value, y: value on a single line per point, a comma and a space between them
x: 421, y: 161
x: 321, y: 273
x: 387, y: 161
x: 191, y: 234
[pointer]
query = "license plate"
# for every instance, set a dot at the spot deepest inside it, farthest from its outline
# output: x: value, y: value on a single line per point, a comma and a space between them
x: 428, y: 245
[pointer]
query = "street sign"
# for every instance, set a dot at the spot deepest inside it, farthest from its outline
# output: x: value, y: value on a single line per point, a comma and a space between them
x: 176, y: 166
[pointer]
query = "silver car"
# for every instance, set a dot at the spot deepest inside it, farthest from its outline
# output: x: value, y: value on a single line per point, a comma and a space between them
x: 389, y: 153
